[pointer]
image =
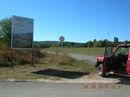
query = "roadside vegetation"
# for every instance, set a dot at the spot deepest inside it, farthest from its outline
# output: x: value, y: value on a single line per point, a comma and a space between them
x: 51, y: 66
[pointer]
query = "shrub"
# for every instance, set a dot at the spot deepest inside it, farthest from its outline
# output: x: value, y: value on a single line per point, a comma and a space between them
x: 62, y: 58
x: 4, y: 57
x: 19, y: 56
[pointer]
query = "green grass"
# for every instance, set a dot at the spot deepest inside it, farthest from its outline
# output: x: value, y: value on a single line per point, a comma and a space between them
x: 85, y: 51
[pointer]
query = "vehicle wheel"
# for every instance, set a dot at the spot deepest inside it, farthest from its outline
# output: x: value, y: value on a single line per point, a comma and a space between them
x: 101, y: 72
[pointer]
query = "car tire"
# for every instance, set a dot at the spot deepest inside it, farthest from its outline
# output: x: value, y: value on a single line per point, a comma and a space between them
x: 100, y: 69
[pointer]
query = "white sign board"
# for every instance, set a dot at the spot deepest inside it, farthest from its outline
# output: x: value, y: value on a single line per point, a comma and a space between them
x: 61, y: 38
x: 22, y: 32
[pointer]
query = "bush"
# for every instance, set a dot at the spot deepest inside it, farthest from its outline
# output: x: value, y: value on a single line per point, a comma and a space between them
x: 4, y: 57
x: 19, y: 56
x: 38, y: 53
x: 62, y: 58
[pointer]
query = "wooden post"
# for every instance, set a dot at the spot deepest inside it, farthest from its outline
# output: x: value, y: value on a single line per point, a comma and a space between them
x: 32, y: 63
x: 11, y: 59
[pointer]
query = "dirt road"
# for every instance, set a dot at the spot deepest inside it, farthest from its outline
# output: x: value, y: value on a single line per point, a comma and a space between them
x: 90, y: 59
x: 86, y: 58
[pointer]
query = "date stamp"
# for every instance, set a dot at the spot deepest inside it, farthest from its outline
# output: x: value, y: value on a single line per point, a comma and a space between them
x: 102, y: 86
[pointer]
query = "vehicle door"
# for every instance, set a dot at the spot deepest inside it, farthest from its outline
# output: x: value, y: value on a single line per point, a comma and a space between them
x: 107, y: 58
x: 120, y: 58
x: 128, y: 63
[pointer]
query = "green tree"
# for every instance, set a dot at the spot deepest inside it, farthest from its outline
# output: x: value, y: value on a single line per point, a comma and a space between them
x: 95, y: 44
x: 116, y: 41
x: 5, y: 32
x: 94, y: 40
x: 90, y: 44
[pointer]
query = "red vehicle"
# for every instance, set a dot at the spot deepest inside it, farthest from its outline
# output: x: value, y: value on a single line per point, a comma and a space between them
x: 117, y: 61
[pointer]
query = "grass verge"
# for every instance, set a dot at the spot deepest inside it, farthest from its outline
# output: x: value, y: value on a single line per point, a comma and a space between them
x: 85, y: 51
x: 51, y: 67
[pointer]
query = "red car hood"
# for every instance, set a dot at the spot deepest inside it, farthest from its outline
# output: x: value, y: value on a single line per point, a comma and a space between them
x: 100, y: 58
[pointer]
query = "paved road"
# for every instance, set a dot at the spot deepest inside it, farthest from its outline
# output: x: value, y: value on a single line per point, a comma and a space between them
x: 40, y: 89
x: 90, y: 59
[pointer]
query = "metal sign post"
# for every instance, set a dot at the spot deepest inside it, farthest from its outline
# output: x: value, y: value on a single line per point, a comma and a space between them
x: 61, y: 38
x: 11, y: 59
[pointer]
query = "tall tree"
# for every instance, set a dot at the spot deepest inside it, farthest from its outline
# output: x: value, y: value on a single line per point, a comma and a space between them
x: 116, y: 41
x: 90, y: 44
x: 5, y: 32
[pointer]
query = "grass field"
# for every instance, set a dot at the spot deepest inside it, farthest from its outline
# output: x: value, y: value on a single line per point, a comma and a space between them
x: 85, y: 51
x: 51, y: 67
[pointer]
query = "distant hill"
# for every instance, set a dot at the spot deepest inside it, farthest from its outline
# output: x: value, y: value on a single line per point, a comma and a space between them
x: 100, y: 43
x: 46, y: 44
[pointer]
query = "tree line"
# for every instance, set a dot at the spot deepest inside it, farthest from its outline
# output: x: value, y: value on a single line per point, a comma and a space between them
x: 102, y: 43
x: 94, y: 43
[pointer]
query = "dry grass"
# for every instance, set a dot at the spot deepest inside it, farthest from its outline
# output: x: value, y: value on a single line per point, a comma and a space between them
x: 62, y: 62
x: 62, y: 58
x: 19, y: 56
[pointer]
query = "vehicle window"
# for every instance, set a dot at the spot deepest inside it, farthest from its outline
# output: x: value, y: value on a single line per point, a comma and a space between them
x: 108, y: 51
x: 122, y: 50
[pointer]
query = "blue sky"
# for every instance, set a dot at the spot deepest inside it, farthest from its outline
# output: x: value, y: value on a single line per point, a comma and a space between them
x: 76, y: 20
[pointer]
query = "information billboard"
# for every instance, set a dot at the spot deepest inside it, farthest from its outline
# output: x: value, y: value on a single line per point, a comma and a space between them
x: 22, y: 32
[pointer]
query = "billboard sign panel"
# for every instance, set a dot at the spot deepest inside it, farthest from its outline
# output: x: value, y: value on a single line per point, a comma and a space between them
x: 22, y: 32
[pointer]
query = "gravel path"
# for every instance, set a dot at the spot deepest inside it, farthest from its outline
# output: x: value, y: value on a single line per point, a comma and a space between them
x: 90, y: 59
x: 86, y: 58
